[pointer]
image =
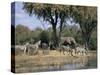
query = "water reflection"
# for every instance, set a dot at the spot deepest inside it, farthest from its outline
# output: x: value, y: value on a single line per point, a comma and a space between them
x: 72, y: 64
x: 78, y: 63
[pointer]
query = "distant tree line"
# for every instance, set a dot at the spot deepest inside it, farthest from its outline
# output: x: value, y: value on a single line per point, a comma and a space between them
x: 23, y: 34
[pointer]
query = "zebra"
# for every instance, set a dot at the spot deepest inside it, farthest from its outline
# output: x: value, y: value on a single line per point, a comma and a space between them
x: 21, y: 48
x: 64, y: 48
x: 45, y: 48
x: 81, y: 50
x: 33, y: 47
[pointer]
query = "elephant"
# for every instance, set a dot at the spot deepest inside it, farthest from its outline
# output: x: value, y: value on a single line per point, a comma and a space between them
x: 68, y: 41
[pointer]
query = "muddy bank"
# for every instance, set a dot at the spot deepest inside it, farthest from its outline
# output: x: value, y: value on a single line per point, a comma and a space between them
x: 54, y: 61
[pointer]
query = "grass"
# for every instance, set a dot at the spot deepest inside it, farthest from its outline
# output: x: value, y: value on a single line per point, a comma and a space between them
x: 32, y: 63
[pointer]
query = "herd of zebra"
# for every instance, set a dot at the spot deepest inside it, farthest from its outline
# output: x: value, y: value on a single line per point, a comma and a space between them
x: 63, y: 48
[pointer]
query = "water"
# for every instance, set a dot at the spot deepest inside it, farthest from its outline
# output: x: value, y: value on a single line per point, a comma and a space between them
x: 73, y: 64
x: 79, y: 63
x: 86, y: 63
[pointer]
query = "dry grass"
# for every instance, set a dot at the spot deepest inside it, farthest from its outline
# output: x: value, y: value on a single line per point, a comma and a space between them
x: 26, y: 63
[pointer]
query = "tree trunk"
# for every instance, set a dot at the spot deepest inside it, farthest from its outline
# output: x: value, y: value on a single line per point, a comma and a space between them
x: 87, y: 44
x: 60, y: 34
x: 87, y: 41
x: 55, y: 38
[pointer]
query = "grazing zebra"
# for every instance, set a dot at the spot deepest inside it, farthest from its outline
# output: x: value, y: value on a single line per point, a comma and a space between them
x: 81, y: 50
x: 65, y: 48
x: 33, y: 47
x: 21, y: 48
x: 45, y: 48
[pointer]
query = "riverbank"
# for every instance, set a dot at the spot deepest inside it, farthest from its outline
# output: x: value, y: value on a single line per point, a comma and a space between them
x: 53, y: 61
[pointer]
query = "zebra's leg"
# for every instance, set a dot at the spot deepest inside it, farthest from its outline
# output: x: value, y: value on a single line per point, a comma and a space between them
x: 86, y: 52
x: 68, y: 52
x: 78, y: 52
x: 71, y: 52
x: 63, y: 52
x: 43, y: 51
x: 28, y: 51
x: 75, y: 51
x: 48, y: 49
x: 25, y: 50
x: 82, y: 52
x: 37, y: 50
x: 60, y: 50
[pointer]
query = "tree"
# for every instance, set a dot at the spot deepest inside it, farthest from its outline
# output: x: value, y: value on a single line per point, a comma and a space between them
x: 49, y: 13
x: 35, y: 34
x: 93, y: 40
x: 22, y: 34
x: 87, y: 19
x: 44, y: 37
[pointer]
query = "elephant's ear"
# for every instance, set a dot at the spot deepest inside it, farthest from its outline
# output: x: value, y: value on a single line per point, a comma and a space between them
x: 73, y: 40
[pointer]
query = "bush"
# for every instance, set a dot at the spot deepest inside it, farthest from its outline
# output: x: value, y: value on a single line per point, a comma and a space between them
x: 93, y: 44
x: 93, y: 40
x: 44, y: 37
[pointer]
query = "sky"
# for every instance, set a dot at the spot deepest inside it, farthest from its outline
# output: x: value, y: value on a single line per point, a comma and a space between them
x: 23, y: 18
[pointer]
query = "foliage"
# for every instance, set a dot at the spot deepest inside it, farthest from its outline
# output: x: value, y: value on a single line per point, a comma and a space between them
x: 78, y: 38
x: 35, y: 34
x: 57, y: 15
x: 93, y: 40
x: 50, y: 13
x: 86, y: 20
x: 22, y: 34
x: 44, y: 37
